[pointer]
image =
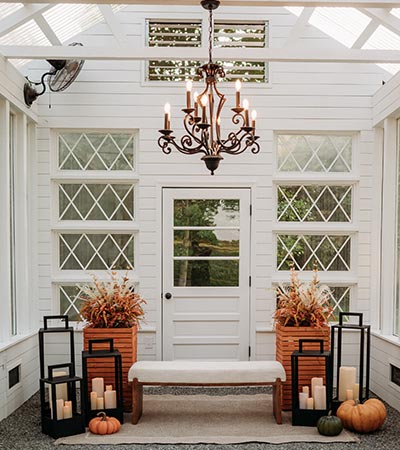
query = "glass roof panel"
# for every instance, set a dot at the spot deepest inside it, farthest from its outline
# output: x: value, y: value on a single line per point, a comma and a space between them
x: 27, y: 34
x: 343, y: 24
x: 80, y: 17
x: 396, y: 12
x: 8, y: 8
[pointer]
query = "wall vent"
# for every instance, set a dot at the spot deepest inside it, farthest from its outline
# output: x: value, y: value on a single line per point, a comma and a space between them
x: 395, y: 374
x: 14, y: 376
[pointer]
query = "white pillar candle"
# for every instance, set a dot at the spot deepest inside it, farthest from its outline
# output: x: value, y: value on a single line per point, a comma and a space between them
x: 98, y: 386
x: 110, y: 399
x: 320, y: 397
x: 310, y: 403
x: 109, y: 387
x: 349, y: 394
x: 315, y: 382
x: 303, y: 396
x: 61, y: 390
x: 306, y: 390
x: 93, y: 400
x: 67, y: 410
x: 356, y: 391
x: 347, y: 379
x: 60, y: 409
x: 100, y: 403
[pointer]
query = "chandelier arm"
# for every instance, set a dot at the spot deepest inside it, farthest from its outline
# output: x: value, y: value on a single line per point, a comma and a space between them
x: 238, y: 119
x: 189, y: 122
x: 168, y: 143
x: 240, y: 144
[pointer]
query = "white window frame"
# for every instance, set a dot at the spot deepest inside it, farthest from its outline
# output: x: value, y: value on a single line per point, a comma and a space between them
x: 72, y: 277
x: 204, y: 19
x: 333, y: 278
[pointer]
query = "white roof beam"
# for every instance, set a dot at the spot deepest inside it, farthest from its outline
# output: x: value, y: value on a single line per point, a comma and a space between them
x: 114, y: 24
x: 22, y: 16
x: 292, y: 54
x: 366, y: 34
x: 47, y: 30
x: 245, y: 3
x: 384, y: 17
x: 299, y: 26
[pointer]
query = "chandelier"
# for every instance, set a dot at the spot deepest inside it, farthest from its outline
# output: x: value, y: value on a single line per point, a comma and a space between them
x: 202, y: 120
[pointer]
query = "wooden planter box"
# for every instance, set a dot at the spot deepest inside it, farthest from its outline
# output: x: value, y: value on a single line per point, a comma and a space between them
x: 125, y: 340
x: 287, y: 341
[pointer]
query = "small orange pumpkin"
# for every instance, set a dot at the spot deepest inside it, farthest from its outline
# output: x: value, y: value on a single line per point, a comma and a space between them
x: 362, y: 417
x: 104, y: 424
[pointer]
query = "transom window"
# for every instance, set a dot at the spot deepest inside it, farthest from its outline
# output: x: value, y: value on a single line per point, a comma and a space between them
x: 306, y: 203
x: 314, y: 153
x: 189, y: 34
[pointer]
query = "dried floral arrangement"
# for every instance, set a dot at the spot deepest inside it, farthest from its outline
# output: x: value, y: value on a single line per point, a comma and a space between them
x: 303, y: 305
x: 111, y: 304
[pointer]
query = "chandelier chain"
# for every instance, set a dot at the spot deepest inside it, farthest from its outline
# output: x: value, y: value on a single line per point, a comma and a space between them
x: 210, y: 35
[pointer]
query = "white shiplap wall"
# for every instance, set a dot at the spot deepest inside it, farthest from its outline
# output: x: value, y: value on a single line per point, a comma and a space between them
x: 304, y: 97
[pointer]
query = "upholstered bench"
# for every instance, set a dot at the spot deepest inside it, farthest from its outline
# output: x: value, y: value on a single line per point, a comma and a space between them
x: 206, y: 373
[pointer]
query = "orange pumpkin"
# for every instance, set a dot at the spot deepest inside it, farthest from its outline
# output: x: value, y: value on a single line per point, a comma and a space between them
x: 104, y: 424
x: 362, y: 417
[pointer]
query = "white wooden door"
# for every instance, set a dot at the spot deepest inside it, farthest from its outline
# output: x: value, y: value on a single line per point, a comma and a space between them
x: 206, y: 268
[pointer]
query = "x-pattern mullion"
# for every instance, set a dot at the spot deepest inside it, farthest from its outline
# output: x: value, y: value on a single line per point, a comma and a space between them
x: 289, y: 253
x: 96, y: 152
x: 96, y: 201
x: 339, y: 155
x: 289, y: 155
x: 313, y: 252
x: 314, y: 202
x: 71, y: 251
x: 315, y: 155
x: 121, y: 250
x: 96, y: 251
x: 121, y: 153
x: 339, y: 204
x: 289, y: 203
x: 121, y: 202
x: 338, y: 252
x: 71, y: 152
x: 71, y: 202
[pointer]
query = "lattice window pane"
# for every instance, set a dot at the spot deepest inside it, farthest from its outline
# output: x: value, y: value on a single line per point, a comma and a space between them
x: 314, y: 203
x: 340, y: 299
x: 96, y: 251
x: 314, y: 153
x: 96, y: 202
x: 70, y: 303
x: 328, y: 252
x: 96, y: 151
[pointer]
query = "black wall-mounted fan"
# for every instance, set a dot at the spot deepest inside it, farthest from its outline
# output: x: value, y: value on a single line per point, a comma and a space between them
x: 64, y: 72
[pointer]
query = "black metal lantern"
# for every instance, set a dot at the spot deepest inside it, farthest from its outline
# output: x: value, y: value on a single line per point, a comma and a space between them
x: 202, y: 120
x: 364, y: 354
x: 93, y: 358
x: 309, y: 417
x: 61, y: 419
x: 51, y: 383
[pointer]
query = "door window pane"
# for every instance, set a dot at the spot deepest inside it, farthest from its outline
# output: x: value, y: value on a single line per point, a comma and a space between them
x: 206, y: 273
x: 206, y: 213
x: 206, y: 243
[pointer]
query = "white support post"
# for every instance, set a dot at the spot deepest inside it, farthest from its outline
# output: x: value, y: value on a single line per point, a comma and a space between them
x: 389, y: 227
x: 366, y: 34
x: 114, y: 24
x: 47, y: 30
x: 5, y: 304
x: 22, y: 16
x: 299, y: 26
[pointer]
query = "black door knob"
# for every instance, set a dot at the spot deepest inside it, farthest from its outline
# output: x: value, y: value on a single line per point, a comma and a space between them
x: 168, y: 295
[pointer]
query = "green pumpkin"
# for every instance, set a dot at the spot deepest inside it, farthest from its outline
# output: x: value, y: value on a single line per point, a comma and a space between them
x: 329, y: 425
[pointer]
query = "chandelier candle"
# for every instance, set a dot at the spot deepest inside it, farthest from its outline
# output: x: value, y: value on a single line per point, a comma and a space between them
x: 203, y: 134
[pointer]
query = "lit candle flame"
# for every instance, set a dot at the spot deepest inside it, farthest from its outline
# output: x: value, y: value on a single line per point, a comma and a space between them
x: 254, y: 115
x: 167, y: 108
x: 245, y: 104
x: 189, y: 85
x: 238, y: 85
x: 204, y: 100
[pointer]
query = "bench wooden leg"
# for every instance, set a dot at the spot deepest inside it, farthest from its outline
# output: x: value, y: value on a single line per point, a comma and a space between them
x: 137, y: 400
x: 277, y: 401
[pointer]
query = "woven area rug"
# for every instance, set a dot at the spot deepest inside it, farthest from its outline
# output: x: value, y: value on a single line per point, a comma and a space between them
x: 191, y: 419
